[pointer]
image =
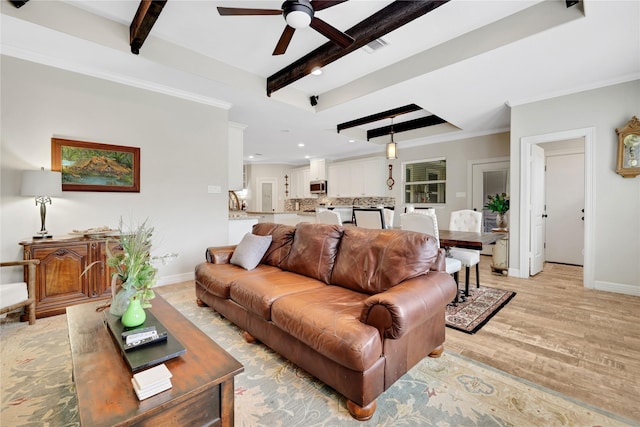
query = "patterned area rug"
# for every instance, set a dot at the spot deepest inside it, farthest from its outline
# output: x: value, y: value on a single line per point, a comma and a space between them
x: 37, y: 388
x: 480, y: 306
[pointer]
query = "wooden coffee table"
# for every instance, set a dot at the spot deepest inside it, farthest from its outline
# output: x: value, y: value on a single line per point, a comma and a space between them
x: 203, y: 377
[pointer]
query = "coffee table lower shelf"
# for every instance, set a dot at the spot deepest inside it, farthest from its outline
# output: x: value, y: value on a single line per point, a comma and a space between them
x: 203, y: 377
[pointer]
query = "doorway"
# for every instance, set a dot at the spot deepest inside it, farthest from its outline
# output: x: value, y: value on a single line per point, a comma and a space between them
x: 529, y: 212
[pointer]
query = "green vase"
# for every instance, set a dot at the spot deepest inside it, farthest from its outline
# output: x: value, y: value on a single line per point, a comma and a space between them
x: 134, y: 315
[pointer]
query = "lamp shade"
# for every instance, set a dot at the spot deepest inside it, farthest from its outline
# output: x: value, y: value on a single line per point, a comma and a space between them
x: 392, y: 152
x: 41, y: 183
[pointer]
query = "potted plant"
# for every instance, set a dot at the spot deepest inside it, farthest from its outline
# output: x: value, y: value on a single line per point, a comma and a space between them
x: 500, y: 205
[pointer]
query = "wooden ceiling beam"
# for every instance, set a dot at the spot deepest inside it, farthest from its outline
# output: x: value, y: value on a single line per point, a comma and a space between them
x: 146, y: 15
x: 418, y: 123
x: 18, y: 3
x: 389, y: 114
x: 390, y: 18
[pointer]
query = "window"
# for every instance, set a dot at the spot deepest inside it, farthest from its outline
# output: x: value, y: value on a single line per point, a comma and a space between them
x: 425, y: 181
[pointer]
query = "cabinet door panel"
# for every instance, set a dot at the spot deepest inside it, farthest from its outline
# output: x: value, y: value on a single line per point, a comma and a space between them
x: 59, y: 274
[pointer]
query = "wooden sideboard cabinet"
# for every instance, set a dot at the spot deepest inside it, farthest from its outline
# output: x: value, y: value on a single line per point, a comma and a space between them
x: 59, y: 279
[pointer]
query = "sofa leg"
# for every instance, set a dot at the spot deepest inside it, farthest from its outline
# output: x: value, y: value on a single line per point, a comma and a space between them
x: 249, y: 338
x: 361, y: 413
x: 437, y: 352
x: 201, y: 303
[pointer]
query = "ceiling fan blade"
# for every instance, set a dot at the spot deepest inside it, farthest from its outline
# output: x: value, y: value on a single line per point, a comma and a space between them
x: 283, y: 43
x: 323, y: 4
x: 331, y: 33
x: 236, y: 11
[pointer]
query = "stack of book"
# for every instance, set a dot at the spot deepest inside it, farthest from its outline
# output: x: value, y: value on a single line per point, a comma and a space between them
x: 151, y: 381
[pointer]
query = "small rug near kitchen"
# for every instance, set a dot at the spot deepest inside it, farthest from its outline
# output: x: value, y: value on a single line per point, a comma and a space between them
x: 38, y: 390
x: 481, y: 305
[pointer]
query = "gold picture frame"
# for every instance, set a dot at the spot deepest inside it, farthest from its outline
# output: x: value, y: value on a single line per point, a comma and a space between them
x: 628, y: 164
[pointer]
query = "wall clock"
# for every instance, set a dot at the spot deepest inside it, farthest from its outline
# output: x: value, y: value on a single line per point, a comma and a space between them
x: 390, y: 180
x: 629, y: 149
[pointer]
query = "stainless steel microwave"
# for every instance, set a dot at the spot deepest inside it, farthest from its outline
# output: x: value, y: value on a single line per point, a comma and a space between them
x: 318, y: 187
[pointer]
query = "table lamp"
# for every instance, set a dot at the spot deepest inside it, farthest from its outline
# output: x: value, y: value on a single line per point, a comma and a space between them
x: 43, y: 185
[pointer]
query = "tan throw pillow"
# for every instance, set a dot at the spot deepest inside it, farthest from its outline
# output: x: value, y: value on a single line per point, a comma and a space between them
x: 250, y: 251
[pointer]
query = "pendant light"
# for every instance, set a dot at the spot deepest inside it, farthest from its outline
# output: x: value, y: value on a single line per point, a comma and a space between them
x: 392, y: 152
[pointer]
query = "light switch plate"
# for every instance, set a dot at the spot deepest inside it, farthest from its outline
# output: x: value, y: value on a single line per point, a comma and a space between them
x: 214, y: 189
x: 461, y: 194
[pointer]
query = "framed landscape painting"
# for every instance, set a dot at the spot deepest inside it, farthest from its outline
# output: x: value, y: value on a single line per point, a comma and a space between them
x: 89, y: 166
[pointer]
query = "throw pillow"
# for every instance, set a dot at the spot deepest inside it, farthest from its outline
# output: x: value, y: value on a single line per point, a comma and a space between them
x: 250, y: 251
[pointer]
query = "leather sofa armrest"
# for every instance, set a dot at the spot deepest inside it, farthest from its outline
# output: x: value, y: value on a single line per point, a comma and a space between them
x: 219, y: 254
x: 415, y: 301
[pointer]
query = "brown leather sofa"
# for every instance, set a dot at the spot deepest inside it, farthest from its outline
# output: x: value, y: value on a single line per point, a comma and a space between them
x: 355, y: 307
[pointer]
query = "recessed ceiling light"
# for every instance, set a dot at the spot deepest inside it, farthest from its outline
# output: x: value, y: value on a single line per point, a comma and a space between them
x: 307, y: 157
x: 301, y: 145
x: 251, y: 157
x: 352, y: 140
x: 316, y: 71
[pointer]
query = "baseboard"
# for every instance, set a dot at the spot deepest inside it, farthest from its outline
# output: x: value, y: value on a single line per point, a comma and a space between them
x: 175, y: 278
x: 619, y: 288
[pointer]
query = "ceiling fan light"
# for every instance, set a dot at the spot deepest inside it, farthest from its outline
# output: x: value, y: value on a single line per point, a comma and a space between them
x: 298, y: 19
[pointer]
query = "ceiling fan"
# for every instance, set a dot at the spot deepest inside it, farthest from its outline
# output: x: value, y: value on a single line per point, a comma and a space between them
x: 297, y: 14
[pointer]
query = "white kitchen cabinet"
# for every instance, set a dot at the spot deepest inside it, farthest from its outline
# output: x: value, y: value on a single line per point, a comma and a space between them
x: 235, y: 153
x: 318, y: 169
x: 238, y: 227
x: 299, y: 183
x: 357, y: 178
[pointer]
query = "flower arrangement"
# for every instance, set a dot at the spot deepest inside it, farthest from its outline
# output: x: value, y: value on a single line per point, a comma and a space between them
x: 498, y: 203
x: 133, y: 265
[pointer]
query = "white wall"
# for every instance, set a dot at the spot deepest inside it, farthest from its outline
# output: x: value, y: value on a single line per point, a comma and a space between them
x: 458, y: 154
x: 267, y: 171
x: 616, y: 200
x: 183, y: 150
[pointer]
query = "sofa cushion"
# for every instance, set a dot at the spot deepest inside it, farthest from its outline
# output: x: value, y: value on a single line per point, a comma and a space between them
x: 257, y: 294
x: 281, y: 240
x: 250, y: 251
x: 372, y: 261
x: 314, y: 250
x: 217, y: 278
x: 327, y: 320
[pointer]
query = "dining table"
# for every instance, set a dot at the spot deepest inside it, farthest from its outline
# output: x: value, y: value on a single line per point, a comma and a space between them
x: 468, y: 239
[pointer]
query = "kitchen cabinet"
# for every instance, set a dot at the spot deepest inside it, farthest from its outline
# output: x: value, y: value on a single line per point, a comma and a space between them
x: 318, y: 169
x: 235, y: 153
x: 299, y: 183
x: 238, y: 227
x: 358, y: 178
x: 59, y: 279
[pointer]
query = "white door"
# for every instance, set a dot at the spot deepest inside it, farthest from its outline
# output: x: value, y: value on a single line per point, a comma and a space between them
x: 266, y: 195
x: 537, y: 210
x: 565, y: 209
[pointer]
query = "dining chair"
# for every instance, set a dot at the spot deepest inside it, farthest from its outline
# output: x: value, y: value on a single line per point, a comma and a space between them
x: 467, y: 220
x: 328, y: 217
x: 369, y: 218
x: 20, y: 294
x: 426, y: 222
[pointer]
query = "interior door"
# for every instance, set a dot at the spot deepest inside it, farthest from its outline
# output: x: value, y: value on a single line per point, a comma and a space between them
x: 565, y: 209
x: 266, y: 195
x: 537, y: 210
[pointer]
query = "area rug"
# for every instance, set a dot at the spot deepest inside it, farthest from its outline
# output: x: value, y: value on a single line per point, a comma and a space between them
x: 480, y: 306
x: 37, y: 388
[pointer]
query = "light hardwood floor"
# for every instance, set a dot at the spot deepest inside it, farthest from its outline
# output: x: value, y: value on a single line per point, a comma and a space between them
x: 579, y: 342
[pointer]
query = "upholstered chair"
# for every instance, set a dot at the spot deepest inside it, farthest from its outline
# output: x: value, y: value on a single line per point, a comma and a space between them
x: 467, y: 220
x: 427, y: 222
x: 328, y: 217
x: 369, y: 218
x: 20, y: 294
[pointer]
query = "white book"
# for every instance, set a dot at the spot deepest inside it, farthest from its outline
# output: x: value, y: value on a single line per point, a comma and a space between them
x: 152, y: 376
x: 143, y: 394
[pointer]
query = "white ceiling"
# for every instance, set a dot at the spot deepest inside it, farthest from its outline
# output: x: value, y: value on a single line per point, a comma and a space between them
x: 465, y: 62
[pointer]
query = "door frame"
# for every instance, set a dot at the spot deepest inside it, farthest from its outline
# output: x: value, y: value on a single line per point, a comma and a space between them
x: 589, y: 198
